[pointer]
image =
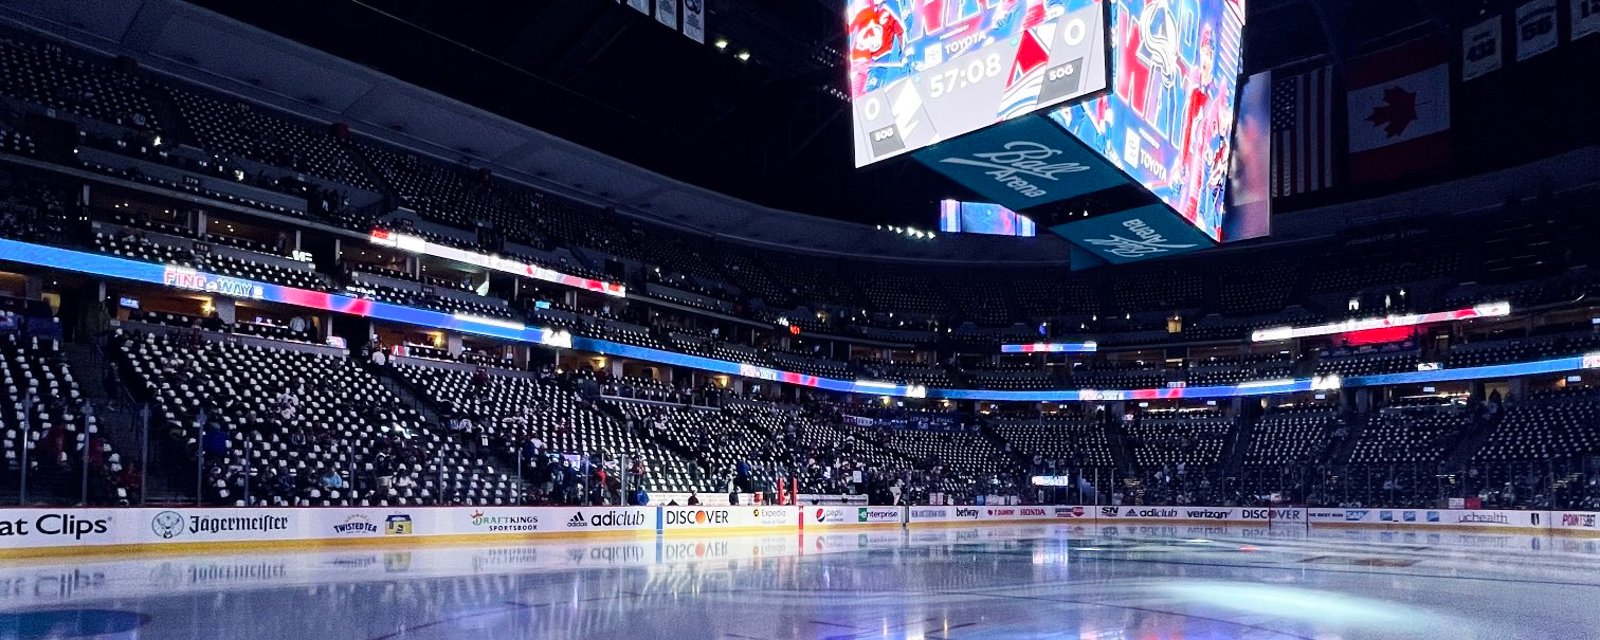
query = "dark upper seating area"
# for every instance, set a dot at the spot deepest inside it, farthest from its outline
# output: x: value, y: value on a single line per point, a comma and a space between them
x: 52, y: 76
x: 231, y: 127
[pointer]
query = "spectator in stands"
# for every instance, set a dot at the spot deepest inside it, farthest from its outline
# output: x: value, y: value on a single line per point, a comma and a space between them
x: 600, y: 481
x: 332, y: 480
x: 214, y: 322
x: 480, y: 382
x: 288, y: 404
x: 530, y: 450
x: 694, y: 499
x: 742, y: 470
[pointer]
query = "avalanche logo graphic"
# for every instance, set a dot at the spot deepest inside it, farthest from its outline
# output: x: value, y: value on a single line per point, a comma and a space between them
x: 875, y: 32
x: 1027, y: 72
x: 1159, y: 40
x: 1150, y: 59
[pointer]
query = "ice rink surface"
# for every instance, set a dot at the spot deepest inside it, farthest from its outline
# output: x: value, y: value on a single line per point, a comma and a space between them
x: 1046, y: 581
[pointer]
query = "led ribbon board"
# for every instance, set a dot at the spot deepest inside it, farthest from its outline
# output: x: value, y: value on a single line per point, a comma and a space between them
x: 1488, y: 310
x: 1050, y: 347
x: 188, y: 279
x: 191, y: 280
x: 413, y: 244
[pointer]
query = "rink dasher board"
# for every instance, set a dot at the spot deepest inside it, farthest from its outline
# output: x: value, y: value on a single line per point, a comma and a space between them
x: 1251, y: 515
x: 1462, y: 519
x: 828, y: 517
x: 91, y: 530
x: 997, y: 515
x: 751, y: 519
x: 56, y: 531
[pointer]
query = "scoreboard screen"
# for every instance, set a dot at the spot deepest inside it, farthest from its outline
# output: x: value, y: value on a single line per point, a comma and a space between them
x: 1168, y: 123
x: 981, y: 217
x: 925, y: 71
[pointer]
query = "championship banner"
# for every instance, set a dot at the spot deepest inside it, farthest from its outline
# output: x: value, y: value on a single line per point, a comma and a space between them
x: 667, y: 12
x: 694, y: 20
x: 1480, y: 48
x: 1536, y: 28
x: 642, y: 6
x: 1585, y: 18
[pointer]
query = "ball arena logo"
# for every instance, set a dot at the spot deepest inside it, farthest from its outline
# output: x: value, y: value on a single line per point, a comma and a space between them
x: 1020, y: 158
x: 1148, y: 241
x: 504, y: 523
x: 171, y: 524
x: 356, y: 524
x: 54, y: 524
x: 697, y: 517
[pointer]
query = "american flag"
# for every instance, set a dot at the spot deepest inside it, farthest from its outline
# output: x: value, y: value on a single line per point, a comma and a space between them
x: 1302, y: 124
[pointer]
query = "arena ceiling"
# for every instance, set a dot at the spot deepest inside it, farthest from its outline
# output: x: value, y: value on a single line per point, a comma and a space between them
x: 774, y: 130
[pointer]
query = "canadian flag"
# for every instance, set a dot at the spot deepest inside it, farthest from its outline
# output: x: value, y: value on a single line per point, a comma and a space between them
x: 1399, y: 110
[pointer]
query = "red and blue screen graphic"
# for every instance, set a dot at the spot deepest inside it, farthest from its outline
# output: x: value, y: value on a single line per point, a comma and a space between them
x: 1168, y: 120
x: 887, y: 37
x: 926, y: 71
x: 982, y: 217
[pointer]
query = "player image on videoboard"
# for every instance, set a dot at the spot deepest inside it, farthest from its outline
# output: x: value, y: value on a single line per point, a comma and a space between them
x: 1168, y: 121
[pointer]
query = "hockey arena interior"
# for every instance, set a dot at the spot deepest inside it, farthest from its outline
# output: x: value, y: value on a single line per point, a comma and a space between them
x: 823, y: 319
